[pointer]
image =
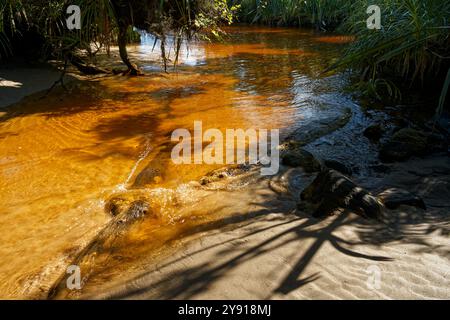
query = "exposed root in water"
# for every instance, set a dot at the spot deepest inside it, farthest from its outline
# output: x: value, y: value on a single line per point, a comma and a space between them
x: 105, y: 239
x: 60, y: 80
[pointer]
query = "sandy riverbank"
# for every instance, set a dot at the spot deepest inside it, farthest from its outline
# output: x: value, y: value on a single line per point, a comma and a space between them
x: 19, y: 81
x: 270, y: 250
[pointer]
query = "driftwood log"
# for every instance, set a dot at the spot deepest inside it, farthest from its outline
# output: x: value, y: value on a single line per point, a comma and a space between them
x: 332, y: 190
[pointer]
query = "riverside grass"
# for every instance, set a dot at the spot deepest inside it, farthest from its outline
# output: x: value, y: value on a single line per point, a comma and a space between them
x: 320, y: 13
x: 99, y: 22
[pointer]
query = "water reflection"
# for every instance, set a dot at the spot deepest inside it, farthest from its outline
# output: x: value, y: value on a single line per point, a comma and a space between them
x: 63, y: 156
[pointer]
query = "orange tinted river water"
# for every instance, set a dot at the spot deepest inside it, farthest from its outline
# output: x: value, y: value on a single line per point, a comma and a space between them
x: 61, y: 157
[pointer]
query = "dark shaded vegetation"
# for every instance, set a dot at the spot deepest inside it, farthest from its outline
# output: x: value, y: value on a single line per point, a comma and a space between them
x: 411, y: 49
x: 410, y: 52
x: 103, y: 23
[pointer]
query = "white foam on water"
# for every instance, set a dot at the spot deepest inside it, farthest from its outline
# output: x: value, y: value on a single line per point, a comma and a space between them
x: 144, y: 154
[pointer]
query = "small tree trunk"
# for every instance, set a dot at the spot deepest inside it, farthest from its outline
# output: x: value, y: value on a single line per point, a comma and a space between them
x: 122, y: 42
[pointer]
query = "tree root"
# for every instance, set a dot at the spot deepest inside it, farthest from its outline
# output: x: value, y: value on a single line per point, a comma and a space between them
x: 133, y: 71
x: 60, y: 80
x: 89, y: 69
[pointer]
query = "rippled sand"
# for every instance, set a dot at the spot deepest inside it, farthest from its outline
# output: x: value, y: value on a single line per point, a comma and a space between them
x: 275, y: 252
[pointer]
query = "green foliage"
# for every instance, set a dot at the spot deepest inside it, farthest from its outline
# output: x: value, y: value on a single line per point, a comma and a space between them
x: 99, y: 22
x: 378, y: 88
x: 444, y: 92
x: 413, y: 43
x: 11, y: 13
x: 320, y: 13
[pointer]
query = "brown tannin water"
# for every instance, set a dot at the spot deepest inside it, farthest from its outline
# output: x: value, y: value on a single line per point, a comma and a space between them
x: 62, y: 157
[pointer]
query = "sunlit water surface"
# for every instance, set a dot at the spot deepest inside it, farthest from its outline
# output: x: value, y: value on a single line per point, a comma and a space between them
x: 63, y: 156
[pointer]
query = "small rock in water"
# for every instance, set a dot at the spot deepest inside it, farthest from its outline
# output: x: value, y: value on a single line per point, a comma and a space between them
x: 223, y: 173
x: 116, y: 205
x: 380, y: 168
x: 374, y: 132
x: 298, y: 157
x: 404, y: 144
x: 138, y: 209
x: 338, y: 166
x: 395, y: 197
x: 213, y: 177
x: 438, y: 142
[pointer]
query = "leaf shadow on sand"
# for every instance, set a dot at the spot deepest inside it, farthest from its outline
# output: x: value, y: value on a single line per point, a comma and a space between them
x: 194, y: 279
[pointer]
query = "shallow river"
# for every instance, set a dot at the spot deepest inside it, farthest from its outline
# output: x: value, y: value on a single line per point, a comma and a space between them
x: 63, y: 156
